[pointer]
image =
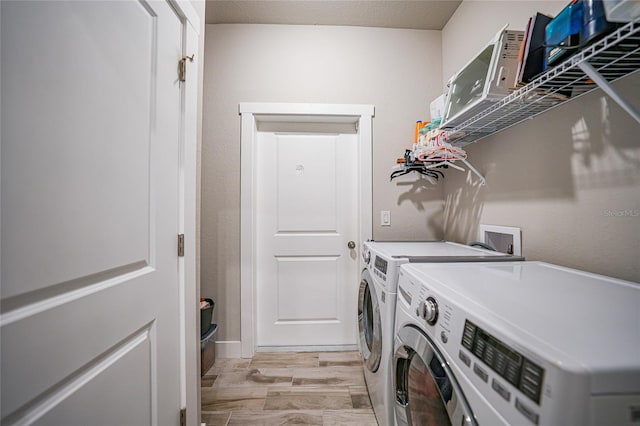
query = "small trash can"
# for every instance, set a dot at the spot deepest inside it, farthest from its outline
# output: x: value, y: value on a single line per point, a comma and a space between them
x: 206, y: 313
x: 208, y: 349
x: 207, y: 335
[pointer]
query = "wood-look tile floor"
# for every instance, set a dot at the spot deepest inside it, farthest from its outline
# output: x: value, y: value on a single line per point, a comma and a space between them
x: 302, y: 388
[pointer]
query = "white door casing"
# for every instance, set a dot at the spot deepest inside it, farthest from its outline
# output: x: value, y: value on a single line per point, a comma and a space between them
x: 306, y: 214
x: 98, y: 314
x: 262, y: 122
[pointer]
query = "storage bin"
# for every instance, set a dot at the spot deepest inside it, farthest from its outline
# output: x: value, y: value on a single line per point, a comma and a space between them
x: 208, y: 349
x: 205, y: 317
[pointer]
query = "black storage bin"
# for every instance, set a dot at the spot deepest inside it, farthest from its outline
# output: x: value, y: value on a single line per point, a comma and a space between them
x: 205, y: 317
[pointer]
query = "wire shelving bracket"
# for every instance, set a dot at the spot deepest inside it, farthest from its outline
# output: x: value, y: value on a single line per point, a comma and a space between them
x: 598, y: 65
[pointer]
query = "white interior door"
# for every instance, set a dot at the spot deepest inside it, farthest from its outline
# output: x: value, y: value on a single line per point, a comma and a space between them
x: 91, y: 124
x: 306, y: 214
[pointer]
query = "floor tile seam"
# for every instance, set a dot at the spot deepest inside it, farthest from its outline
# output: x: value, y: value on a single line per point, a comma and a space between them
x: 283, y: 366
x: 242, y: 409
x: 333, y: 388
x: 235, y: 408
x: 222, y: 383
x: 336, y: 368
x: 239, y: 390
x: 284, y: 411
x: 282, y: 385
x: 228, y: 418
x: 329, y: 385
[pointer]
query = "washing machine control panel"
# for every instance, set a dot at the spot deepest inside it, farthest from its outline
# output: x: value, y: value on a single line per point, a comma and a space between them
x: 508, y: 363
x: 380, y: 268
x: 381, y: 265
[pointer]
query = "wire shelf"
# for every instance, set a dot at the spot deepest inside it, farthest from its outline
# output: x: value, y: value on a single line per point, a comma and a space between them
x: 613, y: 57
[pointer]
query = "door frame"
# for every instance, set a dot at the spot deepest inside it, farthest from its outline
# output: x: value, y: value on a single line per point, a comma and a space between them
x: 188, y: 286
x: 270, y: 115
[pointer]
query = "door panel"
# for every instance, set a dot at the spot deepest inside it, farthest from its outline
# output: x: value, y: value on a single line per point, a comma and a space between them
x: 91, y: 114
x: 314, y: 298
x: 306, y: 168
x: 306, y: 214
x: 121, y: 370
x: 76, y: 139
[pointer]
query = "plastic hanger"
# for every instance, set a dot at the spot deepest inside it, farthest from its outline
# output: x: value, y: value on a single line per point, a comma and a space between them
x: 411, y: 165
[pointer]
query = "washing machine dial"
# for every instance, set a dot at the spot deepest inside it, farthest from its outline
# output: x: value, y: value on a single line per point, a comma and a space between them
x: 366, y: 256
x: 430, y: 310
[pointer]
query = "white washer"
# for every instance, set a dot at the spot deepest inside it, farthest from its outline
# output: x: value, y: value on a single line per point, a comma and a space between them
x: 522, y: 343
x: 377, y: 300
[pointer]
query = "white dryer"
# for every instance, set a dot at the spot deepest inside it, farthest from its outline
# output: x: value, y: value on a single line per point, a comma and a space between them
x: 377, y: 304
x: 522, y: 343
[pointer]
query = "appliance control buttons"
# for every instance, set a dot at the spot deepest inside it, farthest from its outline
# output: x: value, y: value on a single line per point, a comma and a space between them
x: 480, y: 372
x: 501, y: 390
x: 380, y: 275
x: 468, y: 336
x: 464, y: 358
x: 527, y: 412
x: 444, y: 337
x: 479, y: 349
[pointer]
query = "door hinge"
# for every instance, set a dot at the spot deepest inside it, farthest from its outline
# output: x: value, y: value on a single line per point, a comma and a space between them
x: 182, y: 67
x: 180, y: 245
x: 183, y: 417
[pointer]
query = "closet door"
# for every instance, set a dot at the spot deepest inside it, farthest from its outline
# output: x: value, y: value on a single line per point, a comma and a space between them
x: 91, y: 122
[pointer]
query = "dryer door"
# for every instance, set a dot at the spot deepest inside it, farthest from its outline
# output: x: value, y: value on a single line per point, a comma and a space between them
x: 426, y: 392
x: 369, y: 323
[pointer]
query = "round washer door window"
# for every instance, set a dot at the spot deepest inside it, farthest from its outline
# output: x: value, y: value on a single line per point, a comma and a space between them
x: 369, y: 324
x: 426, y: 391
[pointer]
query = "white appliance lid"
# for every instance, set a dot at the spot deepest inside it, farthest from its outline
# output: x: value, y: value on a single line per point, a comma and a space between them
x: 575, y: 319
x: 393, y: 249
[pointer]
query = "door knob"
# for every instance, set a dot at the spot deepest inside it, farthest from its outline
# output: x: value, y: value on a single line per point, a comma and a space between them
x: 351, y: 245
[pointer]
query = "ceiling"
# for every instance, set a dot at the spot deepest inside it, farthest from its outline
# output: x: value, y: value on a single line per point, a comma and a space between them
x: 414, y: 14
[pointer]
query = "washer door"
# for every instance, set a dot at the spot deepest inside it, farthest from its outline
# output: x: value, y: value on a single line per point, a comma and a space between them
x: 426, y: 392
x: 369, y: 323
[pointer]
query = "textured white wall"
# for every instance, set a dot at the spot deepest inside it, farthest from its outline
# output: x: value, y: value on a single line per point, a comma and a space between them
x: 398, y: 71
x: 570, y: 178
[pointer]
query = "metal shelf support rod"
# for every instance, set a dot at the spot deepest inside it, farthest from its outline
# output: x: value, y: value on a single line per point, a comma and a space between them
x: 483, y: 181
x: 608, y: 89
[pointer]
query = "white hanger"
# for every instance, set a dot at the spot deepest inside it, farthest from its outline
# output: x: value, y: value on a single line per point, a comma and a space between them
x: 444, y: 154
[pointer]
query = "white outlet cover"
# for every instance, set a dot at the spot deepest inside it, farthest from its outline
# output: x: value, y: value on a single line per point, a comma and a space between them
x: 514, y: 233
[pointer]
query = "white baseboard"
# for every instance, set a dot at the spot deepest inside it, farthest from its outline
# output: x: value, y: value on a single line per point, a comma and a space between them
x: 332, y: 348
x: 229, y: 349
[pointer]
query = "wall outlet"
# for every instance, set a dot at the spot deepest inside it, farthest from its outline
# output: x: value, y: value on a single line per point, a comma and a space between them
x: 505, y: 239
x: 385, y: 218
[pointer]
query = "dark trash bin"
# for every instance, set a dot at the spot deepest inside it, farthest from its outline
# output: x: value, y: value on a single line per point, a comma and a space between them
x: 206, y: 313
x: 208, y: 349
x: 207, y: 335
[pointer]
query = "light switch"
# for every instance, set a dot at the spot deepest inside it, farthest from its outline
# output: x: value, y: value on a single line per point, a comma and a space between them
x: 385, y: 218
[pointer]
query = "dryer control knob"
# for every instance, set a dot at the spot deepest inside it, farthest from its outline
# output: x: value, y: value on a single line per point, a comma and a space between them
x: 366, y: 256
x: 430, y: 310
